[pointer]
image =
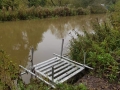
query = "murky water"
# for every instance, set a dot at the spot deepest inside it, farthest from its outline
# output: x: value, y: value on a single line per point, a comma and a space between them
x: 45, y: 35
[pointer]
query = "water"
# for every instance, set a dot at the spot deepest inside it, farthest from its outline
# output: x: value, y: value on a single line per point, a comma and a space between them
x: 45, y: 35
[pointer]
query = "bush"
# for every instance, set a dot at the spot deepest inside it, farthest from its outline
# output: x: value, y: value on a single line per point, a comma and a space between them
x: 101, y: 50
x: 40, y: 12
x: 9, y: 72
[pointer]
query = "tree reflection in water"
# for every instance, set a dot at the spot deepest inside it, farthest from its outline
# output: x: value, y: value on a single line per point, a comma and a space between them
x: 17, y: 37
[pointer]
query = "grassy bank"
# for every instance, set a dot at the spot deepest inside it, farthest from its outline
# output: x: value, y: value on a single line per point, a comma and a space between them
x: 102, y: 49
x: 42, y: 12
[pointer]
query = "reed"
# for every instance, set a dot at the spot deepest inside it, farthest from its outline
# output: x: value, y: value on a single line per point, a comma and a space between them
x: 41, y: 12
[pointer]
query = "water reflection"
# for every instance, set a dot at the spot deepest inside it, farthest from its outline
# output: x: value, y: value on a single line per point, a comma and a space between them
x: 18, y: 37
x: 45, y: 35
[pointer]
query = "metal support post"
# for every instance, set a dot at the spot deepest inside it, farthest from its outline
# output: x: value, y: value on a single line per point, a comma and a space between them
x: 37, y: 76
x: 53, y: 73
x: 32, y: 52
x: 32, y: 69
x: 62, y: 47
x: 84, y: 58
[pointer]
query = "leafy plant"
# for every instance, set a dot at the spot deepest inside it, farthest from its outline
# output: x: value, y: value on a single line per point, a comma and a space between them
x: 9, y: 72
x: 101, y: 49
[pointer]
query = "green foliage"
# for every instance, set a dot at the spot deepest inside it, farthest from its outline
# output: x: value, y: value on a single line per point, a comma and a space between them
x: 13, y: 4
x: 38, y: 85
x: 40, y: 12
x: 9, y: 72
x: 85, y: 3
x: 102, y: 50
x: 37, y: 2
x: 71, y: 87
x: 28, y: 9
x: 10, y: 80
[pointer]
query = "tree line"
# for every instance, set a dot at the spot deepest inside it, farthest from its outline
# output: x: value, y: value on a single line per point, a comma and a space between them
x: 15, y: 4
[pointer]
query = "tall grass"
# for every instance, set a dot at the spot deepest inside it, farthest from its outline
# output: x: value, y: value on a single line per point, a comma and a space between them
x: 41, y: 12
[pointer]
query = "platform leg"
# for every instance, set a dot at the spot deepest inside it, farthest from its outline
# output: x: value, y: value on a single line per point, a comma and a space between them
x: 84, y: 58
x: 32, y: 69
x: 62, y: 47
x: 53, y: 73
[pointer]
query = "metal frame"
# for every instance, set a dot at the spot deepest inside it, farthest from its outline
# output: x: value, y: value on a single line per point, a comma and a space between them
x: 57, y: 69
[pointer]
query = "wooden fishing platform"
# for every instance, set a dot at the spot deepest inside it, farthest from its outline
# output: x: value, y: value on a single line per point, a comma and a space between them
x: 56, y: 70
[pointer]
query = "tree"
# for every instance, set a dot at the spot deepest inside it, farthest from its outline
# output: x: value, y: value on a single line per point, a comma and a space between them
x: 58, y: 2
x: 10, y: 3
x: 37, y: 2
x: 13, y: 4
x: 85, y: 3
x: 0, y: 4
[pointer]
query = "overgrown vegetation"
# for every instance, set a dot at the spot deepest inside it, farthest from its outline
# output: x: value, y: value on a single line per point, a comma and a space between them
x: 103, y: 47
x: 8, y: 72
x: 37, y: 85
x: 30, y: 9
x: 40, y: 12
x: 10, y: 78
x: 44, y: 12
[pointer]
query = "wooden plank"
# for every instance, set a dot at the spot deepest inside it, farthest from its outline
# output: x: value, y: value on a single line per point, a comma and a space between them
x: 49, y: 66
x: 49, y: 60
x: 56, y: 70
x: 71, y: 75
x: 46, y: 64
x: 56, y: 66
x: 73, y: 61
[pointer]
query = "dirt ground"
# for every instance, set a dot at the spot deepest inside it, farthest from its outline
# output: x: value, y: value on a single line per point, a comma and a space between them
x: 96, y: 83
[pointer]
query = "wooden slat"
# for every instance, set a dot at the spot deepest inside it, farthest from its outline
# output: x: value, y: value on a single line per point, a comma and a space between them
x: 71, y: 75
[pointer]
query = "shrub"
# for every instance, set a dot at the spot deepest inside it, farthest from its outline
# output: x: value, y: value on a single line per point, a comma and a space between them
x: 101, y: 50
x: 9, y: 72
